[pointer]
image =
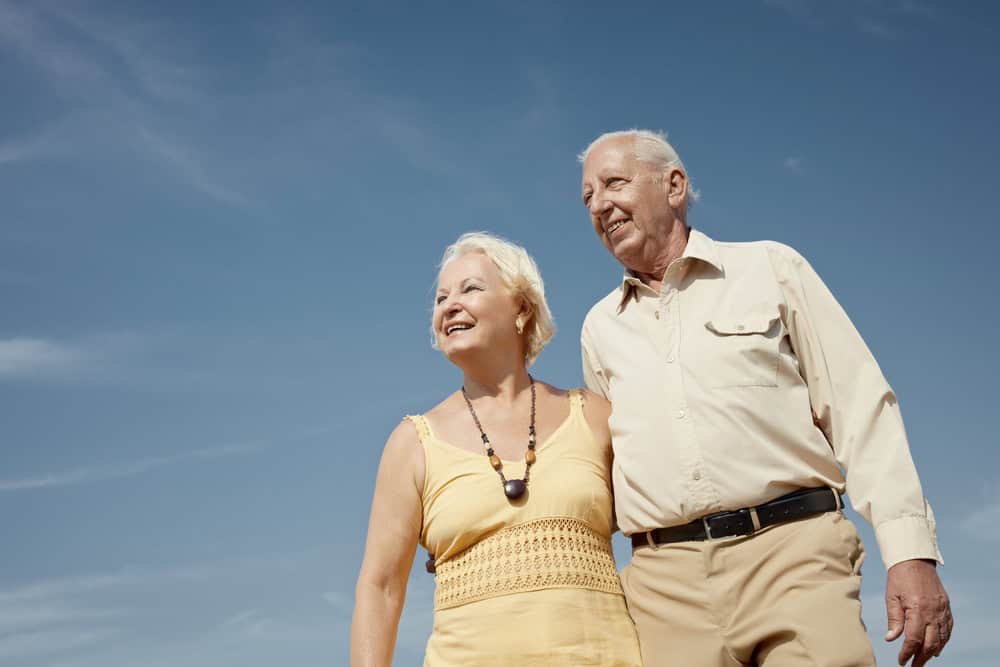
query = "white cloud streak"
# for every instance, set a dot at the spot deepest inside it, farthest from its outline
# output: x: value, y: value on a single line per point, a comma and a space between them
x: 877, y: 29
x: 982, y: 522
x: 112, y: 471
x: 20, y: 646
x: 70, y: 49
x: 188, y: 166
x: 793, y: 164
x: 33, y: 356
x: 17, y: 618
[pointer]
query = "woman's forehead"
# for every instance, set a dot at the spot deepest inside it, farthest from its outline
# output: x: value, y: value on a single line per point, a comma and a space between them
x: 472, y: 265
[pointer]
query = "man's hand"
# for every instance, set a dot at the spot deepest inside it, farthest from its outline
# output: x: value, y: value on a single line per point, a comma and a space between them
x: 916, y: 601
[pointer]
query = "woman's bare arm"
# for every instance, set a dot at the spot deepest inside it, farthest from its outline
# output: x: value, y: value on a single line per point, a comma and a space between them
x: 393, y: 532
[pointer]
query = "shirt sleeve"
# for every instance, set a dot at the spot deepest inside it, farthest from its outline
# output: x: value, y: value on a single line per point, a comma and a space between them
x: 593, y: 375
x: 858, y: 413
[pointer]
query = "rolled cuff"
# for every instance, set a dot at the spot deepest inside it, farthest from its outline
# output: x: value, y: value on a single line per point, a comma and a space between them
x: 908, y: 538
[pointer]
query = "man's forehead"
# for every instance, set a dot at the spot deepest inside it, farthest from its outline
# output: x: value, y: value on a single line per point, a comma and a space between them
x: 609, y: 154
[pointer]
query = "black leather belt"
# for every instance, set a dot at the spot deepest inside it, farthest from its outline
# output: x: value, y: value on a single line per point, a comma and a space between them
x: 747, y: 521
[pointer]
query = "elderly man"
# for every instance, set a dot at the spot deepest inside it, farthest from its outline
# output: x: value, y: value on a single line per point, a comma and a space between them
x: 744, y: 404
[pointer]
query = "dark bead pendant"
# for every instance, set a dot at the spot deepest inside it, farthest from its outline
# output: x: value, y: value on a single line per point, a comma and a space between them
x: 514, y: 488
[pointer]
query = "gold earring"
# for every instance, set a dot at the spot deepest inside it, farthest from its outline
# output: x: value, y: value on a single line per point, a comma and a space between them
x: 519, y: 326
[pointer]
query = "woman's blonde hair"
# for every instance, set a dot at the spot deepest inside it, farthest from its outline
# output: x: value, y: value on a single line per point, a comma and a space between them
x: 521, y: 276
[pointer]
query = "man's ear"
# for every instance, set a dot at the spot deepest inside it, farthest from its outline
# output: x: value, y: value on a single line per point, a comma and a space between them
x: 676, y: 187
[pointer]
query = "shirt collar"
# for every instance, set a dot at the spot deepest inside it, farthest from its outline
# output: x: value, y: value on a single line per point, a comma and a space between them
x: 699, y: 246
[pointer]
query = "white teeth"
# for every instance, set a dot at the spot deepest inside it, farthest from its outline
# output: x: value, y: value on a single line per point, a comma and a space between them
x: 457, y: 327
x: 616, y: 225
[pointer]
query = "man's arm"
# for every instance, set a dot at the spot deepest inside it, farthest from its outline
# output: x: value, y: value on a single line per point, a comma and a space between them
x: 858, y: 413
x: 593, y: 375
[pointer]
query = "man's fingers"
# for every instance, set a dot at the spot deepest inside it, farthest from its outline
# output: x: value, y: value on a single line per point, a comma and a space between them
x: 894, y: 614
x: 914, y: 641
x: 931, y: 647
x: 948, y: 626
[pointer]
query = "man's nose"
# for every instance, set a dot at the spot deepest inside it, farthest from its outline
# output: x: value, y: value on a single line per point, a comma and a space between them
x: 598, y: 205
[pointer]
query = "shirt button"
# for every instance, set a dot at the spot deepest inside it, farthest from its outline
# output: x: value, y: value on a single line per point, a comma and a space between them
x: 740, y: 327
x: 656, y: 314
x: 696, y: 475
x: 680, y: 414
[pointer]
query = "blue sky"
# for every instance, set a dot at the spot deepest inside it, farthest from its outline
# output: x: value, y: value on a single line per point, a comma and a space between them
x: 217, y: 247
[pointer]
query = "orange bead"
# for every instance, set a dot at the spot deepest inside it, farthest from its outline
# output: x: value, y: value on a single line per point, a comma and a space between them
x: 495, y: 462
x: 529, y: 457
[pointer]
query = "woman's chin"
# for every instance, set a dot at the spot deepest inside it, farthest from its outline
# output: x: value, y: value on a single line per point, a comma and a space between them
x: 470, y: 352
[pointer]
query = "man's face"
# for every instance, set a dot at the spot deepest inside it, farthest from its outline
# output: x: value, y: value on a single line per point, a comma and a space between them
x: 628, y: 203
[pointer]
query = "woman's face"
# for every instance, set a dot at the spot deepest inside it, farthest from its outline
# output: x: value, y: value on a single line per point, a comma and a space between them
x: 473, y: 310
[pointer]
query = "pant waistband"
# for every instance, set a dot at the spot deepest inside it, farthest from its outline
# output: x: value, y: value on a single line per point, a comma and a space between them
x: 747, y: 521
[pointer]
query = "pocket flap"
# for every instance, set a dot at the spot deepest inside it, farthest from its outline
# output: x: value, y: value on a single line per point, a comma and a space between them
x: 756, y: 322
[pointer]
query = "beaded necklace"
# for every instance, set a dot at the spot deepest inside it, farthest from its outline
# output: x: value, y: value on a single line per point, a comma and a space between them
x: 512, y: 488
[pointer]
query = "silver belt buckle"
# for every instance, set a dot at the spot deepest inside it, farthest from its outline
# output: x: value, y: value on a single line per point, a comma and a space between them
x: 650, y: 541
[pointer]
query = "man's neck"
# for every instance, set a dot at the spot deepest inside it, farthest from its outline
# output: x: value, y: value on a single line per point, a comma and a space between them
x: 673, y: 248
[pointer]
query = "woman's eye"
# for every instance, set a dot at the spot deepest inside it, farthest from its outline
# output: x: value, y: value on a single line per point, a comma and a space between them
x: 438, y: 301
x: 469, y: 288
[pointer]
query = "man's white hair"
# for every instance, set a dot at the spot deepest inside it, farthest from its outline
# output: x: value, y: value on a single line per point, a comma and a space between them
x: 521, y: 276
x: 650, y: 147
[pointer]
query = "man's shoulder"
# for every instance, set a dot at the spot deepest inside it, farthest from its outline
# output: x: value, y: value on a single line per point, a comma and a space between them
x: 606, y: 307
x: 736, y: 254
x: 755, y: 247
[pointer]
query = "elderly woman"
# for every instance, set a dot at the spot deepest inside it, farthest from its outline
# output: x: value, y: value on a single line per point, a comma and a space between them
x: 506, y: 483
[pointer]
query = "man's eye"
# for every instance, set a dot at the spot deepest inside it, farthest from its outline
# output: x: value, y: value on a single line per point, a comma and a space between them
x: 615, y: 182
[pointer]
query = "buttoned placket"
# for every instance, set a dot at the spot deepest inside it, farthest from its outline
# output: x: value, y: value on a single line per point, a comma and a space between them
x: 701, y: 493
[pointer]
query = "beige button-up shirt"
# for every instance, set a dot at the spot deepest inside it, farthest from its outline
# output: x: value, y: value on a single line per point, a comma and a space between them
x: 743, y: 380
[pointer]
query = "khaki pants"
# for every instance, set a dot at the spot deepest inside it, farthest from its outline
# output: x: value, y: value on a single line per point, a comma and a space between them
x: 788, y: 595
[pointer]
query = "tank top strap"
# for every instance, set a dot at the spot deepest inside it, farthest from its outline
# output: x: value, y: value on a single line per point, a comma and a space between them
x: 423, y: 428
x: 576, y: 402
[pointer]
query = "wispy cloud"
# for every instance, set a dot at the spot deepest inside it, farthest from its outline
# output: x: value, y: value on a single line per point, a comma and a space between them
x: 805, y: 11
x: 793, y: 164
x: 61, y: 589
x: 20, y: 357
x: 118, y: 80
x: 82, y: 620
x: 883, y: 19
x: 189, y: 167
x: 876, y: 28
x: 22, y: 645
x: 982, y: 522
x: 26, y: 32
x: 112, y: 471
x: 254, y: 625
x: 53, y: 612
x: 25, y: 148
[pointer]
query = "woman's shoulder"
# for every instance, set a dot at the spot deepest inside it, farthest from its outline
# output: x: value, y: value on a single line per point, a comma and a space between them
x: 597, y: 410
x: 446, y: 409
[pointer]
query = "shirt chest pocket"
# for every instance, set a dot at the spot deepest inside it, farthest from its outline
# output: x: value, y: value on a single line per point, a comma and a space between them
x: 742, y: 348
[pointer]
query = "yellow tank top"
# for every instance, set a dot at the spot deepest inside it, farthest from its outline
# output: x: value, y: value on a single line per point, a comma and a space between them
x: 556, y: 536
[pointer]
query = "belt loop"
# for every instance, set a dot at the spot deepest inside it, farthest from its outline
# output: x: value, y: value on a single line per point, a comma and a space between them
x: 837, y: 499
x: 754, y: 519
x: 651, y: 542
x: 708, y: 528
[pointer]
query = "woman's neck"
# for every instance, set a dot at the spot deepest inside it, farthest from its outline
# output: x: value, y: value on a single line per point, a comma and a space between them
x: 498, y: 385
